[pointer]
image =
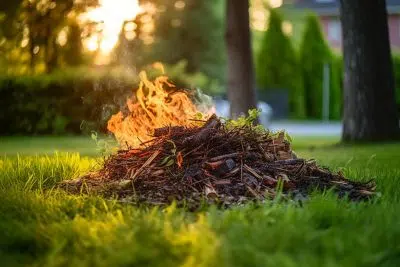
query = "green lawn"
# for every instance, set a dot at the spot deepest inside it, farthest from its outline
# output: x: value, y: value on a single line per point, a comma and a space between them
x: 11, y: 146
x: 40, y: 227
x: 22, y: 145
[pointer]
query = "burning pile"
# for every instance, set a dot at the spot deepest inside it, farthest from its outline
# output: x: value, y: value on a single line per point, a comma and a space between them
x: 152, y: 107
x: 194, y: 160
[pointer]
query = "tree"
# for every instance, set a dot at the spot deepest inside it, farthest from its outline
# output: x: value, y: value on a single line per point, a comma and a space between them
x: 43, y: 20
x: 314, y: 54
x: 31, y: 29
x: 190, y: 30
x: 277, y: 65
x: 73, y: 52
x: 369, y: 96
x: 241, y: 89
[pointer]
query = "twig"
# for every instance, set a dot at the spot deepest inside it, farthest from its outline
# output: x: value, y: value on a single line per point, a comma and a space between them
x: 225, y: 156
x: 148, y: 161
x: 253, y: 172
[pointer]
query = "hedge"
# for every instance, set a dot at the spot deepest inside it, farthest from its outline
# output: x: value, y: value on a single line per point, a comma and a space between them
x: 73, y: 101
x: 51, y: 104
x: 278, y: 65
x: 314, y: 54
x: 396, y: 68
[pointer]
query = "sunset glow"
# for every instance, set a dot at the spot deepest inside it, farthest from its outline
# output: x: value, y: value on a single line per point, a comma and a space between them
x: 111, y: 14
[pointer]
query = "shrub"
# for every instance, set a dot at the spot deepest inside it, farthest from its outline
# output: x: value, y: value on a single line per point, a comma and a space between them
x: 314, y: 53
x: 336, y: 88
x: 72, y: 101
x: 57, y: 103
x: 277, y: 65
x: 193, y: 32
x: 396, y: 68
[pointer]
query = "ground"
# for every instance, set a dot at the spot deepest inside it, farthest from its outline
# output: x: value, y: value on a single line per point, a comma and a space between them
x: 44, y: 227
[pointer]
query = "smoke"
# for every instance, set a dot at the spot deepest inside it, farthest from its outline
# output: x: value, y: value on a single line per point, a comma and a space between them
x: 204, y: 103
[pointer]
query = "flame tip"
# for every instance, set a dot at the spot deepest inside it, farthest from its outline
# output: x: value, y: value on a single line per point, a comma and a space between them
x: 152, y: 108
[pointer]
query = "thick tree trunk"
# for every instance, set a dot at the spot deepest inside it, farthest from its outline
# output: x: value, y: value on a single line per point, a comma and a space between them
x: 369, y: 96
x: 241, y: 89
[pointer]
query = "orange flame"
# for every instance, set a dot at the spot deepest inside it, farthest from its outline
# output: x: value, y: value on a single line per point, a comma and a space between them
x: 152, y: 107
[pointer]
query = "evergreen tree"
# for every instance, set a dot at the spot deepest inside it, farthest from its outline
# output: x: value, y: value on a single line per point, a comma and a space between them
x: 314, y: 54
x: 336, y: 88
x: 277, y: 65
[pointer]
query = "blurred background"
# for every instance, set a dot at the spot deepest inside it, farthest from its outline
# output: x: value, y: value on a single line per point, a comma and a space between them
x: 67, y: 65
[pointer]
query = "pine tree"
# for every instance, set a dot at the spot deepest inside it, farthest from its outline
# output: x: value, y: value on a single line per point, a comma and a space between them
x: 277, y: 65
x: 314, y: 54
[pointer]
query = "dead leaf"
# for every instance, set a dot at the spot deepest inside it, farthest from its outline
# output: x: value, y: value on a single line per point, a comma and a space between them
x: 179, y: 159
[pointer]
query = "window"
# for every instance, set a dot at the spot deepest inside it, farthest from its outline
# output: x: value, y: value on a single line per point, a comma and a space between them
x: 334, y: 30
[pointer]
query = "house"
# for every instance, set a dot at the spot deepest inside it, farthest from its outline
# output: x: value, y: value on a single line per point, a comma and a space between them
x: 328, y: 12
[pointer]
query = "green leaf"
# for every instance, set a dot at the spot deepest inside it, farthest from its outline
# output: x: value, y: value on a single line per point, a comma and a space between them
x: 170, y: 162
x: 288, y: 137
x: 165, y: 160
x: 94, y: 136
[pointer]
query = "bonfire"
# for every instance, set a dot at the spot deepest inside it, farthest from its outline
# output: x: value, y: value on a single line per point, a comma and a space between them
x: 172, y: 151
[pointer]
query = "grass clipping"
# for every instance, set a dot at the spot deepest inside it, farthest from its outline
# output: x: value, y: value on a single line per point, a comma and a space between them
x: 224, y: 163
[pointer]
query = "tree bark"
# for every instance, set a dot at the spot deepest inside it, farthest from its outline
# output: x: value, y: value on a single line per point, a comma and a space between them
x: 369, y: 95
x: 241, y: 85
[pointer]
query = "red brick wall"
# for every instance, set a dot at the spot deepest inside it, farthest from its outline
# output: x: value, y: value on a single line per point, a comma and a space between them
x: 394, y: 31
x: 334, y: 42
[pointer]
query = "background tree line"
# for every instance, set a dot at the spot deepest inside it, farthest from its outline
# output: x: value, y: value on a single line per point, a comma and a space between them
x: 189, y: 40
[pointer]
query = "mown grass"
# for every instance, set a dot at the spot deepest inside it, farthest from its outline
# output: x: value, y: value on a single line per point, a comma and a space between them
x: 41, y: 226
x: 24, y: 145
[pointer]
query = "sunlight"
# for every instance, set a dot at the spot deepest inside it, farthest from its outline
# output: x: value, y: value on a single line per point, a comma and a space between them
x: 111, y: 14
x: 276, y: 3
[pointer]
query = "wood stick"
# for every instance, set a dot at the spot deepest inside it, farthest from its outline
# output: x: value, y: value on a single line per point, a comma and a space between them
x: 224, y: 156
x: 148, y: 161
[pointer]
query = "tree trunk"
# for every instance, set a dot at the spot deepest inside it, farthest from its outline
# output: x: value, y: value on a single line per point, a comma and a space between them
x: 241, y: 90
x: 369, y: 96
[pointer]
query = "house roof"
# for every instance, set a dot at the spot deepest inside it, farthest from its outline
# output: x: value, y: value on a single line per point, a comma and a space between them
x: 331, y: 7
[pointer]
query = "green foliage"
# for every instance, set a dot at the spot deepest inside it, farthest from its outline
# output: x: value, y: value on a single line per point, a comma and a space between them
x: 38, y: 24
x: 336, y: 101
x: 105, y: 146
x: 74, y: 100
x: 396, y: 68
x: 59, y: 103
x: 245, y: 121
x: 314, y: 53
x: 336, y: 88
x: 193, y: 33
x: 73, y: 52
x: 250, y: 122
x: 277, y: 65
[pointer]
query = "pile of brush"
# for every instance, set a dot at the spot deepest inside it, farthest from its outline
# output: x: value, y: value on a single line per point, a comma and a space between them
x: 216, y: 163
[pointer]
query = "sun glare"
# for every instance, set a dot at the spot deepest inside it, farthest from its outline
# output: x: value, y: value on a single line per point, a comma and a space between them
x: 111, y: 14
